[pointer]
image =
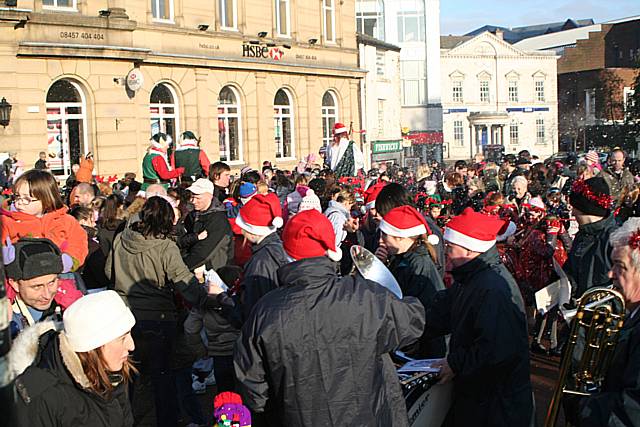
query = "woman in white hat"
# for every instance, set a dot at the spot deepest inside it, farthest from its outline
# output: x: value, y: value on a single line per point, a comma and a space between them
x: 78, y: 376
x: 408, y: 239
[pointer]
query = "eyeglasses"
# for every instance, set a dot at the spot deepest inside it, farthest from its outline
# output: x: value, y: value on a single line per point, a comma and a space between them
x: 26, y: 200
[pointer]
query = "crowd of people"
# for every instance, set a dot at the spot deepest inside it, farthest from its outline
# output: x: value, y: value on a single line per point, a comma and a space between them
x: 130, y: 297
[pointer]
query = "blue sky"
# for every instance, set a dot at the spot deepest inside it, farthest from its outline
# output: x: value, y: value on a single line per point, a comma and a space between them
x: 461, y: 16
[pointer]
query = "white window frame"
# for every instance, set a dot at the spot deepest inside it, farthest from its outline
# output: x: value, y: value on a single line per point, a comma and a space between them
x: 161, y: 115
x: 421, y: 79
x: 485, y: 89
x: 281, y: 113
x: 332, y: 9
x: 54, y: 6
x: 380, y: 118
x: 327, y: 113
x: 458, y: 133
x: 63, y: 116
x: 457, y: 91
x: 223, y: 16
x: 514, y: 96
x: 370, y: 15
x: 402, y: 16
x: 539, y: 86
x: 171, y: 11
x: 279, y: 33
x: 225, y: 116
x: 514, y: 133
x: 540, y: 131
x: 590, y: 109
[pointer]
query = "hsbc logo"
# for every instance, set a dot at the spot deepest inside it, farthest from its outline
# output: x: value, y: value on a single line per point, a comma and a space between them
x: 257, y: 51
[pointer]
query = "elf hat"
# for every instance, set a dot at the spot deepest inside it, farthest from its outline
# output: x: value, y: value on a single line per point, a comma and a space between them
x: 372, y: 193
x: 309, y: 234
x: 262, y: 215
x: 473, y: 230
x: 339, y: 128
x: 406, y: 221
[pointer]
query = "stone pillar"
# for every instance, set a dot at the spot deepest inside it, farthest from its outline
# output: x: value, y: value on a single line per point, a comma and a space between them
x: 204, y: 120
x: 117, y: 9
x: 265, y: 147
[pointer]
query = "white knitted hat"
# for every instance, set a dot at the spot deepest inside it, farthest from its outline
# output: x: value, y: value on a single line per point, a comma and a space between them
x: 310, y: 201
x: 96, y: 319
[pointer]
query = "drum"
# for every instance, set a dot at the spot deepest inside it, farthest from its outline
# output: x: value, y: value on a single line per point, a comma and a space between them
x: 427, y: 402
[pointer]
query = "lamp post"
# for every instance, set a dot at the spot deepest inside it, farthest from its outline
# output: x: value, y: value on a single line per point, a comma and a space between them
x: 5, y: 112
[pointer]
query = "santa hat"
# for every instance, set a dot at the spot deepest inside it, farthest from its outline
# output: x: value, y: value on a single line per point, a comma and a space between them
x: 309, y: 234
x: 262, y: 215
x: 592, y: 156
x: 339, y: 128
x: 536, y: 204
x: 473, y: 230
x: 508, y: 229
x: 310, y: 201
x: 372, y: 193
x: 406, y: 221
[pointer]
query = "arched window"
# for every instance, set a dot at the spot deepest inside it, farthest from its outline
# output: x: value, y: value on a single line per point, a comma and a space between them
x: 329, y: 116
x: 163, y: 111
x: 67, y: 137
x: 283, y: 119
x: 229, y: 126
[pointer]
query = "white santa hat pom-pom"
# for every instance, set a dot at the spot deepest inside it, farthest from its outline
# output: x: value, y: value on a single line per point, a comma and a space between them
x: 334, y: 255
x: 433, y: 239
x: 277, y: 222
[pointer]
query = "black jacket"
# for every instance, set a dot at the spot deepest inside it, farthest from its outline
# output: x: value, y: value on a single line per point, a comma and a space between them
x: 589, y: 260
x: 261, y: 271
x: 417, y: 276
x: 217, y: 249
x: 437, y: 231
x: 52, y: 391
x: 314, y: 351
x: 488, y: 350
x: 619, y: 402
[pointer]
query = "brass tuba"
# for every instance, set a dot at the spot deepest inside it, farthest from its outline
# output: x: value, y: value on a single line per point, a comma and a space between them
x: 598, y: 320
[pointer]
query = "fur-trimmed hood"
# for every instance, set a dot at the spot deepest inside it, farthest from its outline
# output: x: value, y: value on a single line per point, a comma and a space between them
x: 25, y: 349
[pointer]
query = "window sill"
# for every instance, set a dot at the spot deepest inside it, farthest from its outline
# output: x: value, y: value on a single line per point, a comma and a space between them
x: 163, y: 21
x: 286, y: 159
x: 60, y: 9
x: 229, y: 29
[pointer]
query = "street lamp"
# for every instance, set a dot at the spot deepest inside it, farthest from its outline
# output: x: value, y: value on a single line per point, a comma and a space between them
x: 5, y: 112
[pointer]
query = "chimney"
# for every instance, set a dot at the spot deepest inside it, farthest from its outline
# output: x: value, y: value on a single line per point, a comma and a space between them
x: 499, y: 34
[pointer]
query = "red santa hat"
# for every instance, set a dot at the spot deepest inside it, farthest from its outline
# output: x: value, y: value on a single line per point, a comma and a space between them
x: 309, y: 234
x: 473, y: 230
x: 339, y: 128
x: 371, y: 194
x: 262, y: 215
x: 406, y: 221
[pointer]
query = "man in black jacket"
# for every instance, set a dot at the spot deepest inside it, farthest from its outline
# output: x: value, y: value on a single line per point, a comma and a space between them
x: 618, y: 402
x: 208, y: 238
x: 483, y: 311
x: 314, y: 351
x: 259, y: 220
x: 589, y: 260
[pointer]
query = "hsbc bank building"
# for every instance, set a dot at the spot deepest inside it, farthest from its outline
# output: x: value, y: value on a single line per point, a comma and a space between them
x: 255, y: 80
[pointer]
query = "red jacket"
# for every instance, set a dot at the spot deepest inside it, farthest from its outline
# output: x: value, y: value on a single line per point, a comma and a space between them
x: 61, y: 228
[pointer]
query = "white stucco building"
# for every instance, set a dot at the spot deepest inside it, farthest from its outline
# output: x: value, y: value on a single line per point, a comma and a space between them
x: 495, y: 95
x: 380, y: 99
x: 414, y: 26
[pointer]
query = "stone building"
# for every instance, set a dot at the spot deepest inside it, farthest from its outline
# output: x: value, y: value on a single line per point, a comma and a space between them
x: 256, y: 80
x: 496, y: 97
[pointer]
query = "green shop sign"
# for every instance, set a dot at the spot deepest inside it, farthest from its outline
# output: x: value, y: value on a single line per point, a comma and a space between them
x: 387, y: 146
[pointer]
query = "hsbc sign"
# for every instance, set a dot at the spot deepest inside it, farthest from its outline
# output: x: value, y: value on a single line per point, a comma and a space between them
x: 258, y: 51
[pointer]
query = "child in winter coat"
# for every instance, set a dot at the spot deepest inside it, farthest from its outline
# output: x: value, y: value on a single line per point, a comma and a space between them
x: 38, y: 211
